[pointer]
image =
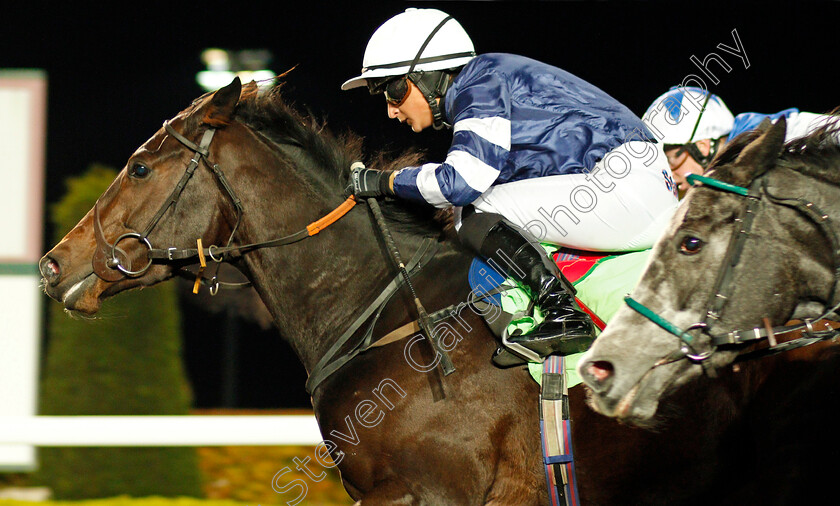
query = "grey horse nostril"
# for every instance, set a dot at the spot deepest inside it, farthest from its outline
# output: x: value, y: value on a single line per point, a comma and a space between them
x: 600, y: 370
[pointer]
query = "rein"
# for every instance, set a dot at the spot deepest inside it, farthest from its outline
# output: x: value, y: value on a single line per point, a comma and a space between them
x: 109, y: 260
x: 108, y: 255
x: 215, y: 251
x: 723, y: 284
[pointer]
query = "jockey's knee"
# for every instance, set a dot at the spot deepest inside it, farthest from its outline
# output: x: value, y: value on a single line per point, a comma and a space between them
x: 475, y: 226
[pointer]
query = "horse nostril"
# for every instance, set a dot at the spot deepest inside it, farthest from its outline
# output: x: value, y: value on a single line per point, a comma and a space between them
x: 50, y: 270
x: 599, y: 372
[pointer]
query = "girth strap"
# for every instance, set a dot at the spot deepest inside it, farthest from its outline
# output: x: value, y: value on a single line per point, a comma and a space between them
x: 556, y: 432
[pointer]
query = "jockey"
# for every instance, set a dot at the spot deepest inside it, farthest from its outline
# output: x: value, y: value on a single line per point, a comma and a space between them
x: 537, y: 155
x: 693, y: 124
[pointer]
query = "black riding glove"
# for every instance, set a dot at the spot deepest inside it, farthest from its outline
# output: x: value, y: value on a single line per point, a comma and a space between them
x: 366, y: 183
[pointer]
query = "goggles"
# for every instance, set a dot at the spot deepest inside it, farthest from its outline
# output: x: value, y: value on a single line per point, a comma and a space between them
x: 396, y: 90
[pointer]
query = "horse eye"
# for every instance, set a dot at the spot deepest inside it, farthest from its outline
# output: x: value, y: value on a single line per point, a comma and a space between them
x: 691, y: 245
x: 139, y: 171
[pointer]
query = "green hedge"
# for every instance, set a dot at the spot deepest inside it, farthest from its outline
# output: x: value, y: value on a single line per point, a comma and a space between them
x: 247, y: 474
x: 126, y: 361
x: 126, y: 501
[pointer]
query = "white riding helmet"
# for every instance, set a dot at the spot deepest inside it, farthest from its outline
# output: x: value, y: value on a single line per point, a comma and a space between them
x: 685, y: 115
x: 396, y: 44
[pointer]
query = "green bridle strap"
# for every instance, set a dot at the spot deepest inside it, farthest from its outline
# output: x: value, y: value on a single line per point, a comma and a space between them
x: 714, y: 183
x: 745, y: 336
x: 655, y: 318
x: 640, y: 308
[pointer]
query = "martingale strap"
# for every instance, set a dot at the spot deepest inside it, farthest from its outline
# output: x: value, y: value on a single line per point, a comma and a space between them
x: 556, y: 432
x: 332, y: 359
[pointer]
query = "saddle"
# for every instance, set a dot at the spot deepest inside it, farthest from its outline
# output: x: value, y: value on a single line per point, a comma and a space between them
x: 601, y: 280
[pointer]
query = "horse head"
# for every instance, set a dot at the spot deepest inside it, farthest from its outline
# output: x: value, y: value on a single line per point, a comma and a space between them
x: 745, y: 251
x: 159, y: 197
x: 231, y: 178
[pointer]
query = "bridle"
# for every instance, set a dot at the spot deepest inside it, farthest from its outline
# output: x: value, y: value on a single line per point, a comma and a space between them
x: 110, y: 267
x: 724, y: 285
x: 108, y: 254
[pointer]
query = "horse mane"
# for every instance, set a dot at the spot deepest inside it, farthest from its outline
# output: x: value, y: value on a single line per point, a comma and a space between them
x: 267, y: 112
x: 816, y: 155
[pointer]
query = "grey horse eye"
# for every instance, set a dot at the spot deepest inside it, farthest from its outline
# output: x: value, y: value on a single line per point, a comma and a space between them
x: 691, y: 245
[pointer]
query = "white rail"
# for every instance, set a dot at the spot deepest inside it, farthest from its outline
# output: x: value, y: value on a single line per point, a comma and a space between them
x: 188, y: 430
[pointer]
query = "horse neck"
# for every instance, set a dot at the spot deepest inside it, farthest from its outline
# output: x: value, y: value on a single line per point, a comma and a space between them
x: 815, y: 257
x: 314, y: 288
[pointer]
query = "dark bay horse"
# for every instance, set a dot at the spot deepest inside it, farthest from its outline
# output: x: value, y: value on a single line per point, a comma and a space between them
x: 752, y: 247
x: 239, y: 167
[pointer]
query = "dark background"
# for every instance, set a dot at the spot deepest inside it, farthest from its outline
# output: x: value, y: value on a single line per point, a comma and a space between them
x: 116, y: 71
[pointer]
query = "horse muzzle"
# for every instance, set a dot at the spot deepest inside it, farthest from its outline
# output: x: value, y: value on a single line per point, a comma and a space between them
x: 72, y: 285
x: 629, y: 389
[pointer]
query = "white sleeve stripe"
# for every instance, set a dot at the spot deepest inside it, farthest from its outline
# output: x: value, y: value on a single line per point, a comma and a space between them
x: 495, y: 130
x: 427, y: 185
x: 477, y: 174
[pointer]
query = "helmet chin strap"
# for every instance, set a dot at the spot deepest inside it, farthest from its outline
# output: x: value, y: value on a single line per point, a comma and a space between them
x: 694, y: 152
x: 439, y: 80
x: 433, y: 85
x: 691, y: 148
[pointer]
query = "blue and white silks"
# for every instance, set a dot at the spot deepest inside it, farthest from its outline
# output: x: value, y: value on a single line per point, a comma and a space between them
x: 515, y: 118
x: 528, y: 142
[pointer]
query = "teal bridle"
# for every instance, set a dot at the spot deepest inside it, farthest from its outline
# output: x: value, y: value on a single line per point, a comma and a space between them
x: 723, y: 285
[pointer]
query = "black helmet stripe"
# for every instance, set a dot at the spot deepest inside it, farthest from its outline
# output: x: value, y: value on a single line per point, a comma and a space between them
x: 429, y: 59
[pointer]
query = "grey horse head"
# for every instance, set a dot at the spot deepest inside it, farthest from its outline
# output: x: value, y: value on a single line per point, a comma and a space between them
x: 786, y: 264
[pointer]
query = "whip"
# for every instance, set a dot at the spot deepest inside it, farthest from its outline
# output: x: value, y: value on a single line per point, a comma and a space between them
x: 422, y: 315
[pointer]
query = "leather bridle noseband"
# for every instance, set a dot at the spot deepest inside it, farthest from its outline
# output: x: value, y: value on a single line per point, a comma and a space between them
x: 110, y: 267
x: 724, y: 285
x: 201, y: 153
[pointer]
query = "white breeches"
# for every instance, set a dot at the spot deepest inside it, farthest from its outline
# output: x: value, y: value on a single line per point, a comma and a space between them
x: 800, y: 124
x: 623, y: 204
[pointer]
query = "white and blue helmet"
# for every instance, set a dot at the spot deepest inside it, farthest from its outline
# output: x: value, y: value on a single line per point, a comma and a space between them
x: 685, y: 115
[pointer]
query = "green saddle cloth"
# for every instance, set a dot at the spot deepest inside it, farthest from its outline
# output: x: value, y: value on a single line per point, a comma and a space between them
x: 602, y: 289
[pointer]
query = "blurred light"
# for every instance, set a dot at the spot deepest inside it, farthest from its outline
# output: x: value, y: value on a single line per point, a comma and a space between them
x: 223, y: 66
x: 216, y: 59
x: 212, y: 80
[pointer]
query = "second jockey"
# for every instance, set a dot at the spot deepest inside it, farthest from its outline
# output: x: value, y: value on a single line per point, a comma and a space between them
x: 693, y: 124
x: 537, y: 155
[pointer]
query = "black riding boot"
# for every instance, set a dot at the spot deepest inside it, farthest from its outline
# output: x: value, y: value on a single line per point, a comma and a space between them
x: 565, y: 328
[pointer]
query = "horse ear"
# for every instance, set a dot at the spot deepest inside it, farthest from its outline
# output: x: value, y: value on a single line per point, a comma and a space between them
x: 765, y: 125
x: 220, y: 109
x: 761, y: 155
